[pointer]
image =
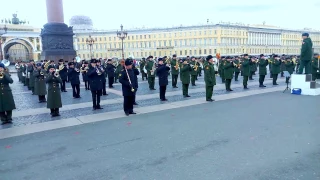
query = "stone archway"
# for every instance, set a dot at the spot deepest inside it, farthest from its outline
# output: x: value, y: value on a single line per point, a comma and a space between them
x: 18, y: 49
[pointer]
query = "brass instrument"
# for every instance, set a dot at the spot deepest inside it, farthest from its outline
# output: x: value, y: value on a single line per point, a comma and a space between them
x: 153, y: 68
x: 77, y: 70
x: 61, y: 67
x: 84, y: 69
x: 41, y: 73
x: 46, y: 65
x: 56, y: 74
x: 195, y: 67
x: 177, y: 64
x: 17, y: 66
x: 98, y: 70
x: 1, y: 75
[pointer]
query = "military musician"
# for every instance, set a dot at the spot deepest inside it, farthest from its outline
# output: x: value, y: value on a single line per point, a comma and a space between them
x: 110, y: 68
x: 209, y: 77
x: 228, y: 69
x: 84, y: 72
x: 185, y: 77
x: 102, y: 77
x: 129, y: 86
x: 236, y: 68
x: 263, y: 63
x: 194, y: 72
x: 136, y: 73
x: 289, y: 66
x: 151, y: 68
x: 54, y: 96
x: 74, y: 74
x: 95, y: 82
x: 275, y: 70
x: 246, y: 62
x: 315, y: 66
x: 40, y: 88
x: 141, y: 67
x: 63, y: 72
x: 162, y: 73
x: 6, y: 98
x: 175, y: 66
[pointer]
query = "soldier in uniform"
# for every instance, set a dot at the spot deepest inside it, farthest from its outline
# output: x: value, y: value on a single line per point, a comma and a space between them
x: 297, y: 64
x: 136, y: 73
x: 263, y: 63
x: 174, y: 70
x: 236, y: 68
x: 306, y: 54
x: 23, y: 71
x: 282, y: 66
x: 275, y: 69
x: 73, y: 74
x: 54, y: 97
x: 141, y: 67
x: 129, y: 86
x: 102, y: 77
x: 194, y: 72
x: 40, y: 88
x: 28, y: 69
x: 289, y: 67
x: 19, y: 72
x: 228, y: 69
x: 253, y: 67
x: 31, y: 68
x: 68, y: 78
x: 185, y: 77
x: 315, y: 66
x: 220, y: 68
x: 111, y: 72
x: 63, y: 74
x: 209, y: 78
x: 246, y: 70
x: 6, y: 98
x: 95, y: 84
x: 163, y: 73
x: 85, y: 78
x: 151, y: 67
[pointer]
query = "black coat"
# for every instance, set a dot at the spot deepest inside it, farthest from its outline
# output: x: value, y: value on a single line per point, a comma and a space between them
x: 136, y: 73
x: 94, y: 79
x: 163, y: 73
x: 64, y: 73
x: 126, y: 86
x: 110, y: 70
x: 73, y: 76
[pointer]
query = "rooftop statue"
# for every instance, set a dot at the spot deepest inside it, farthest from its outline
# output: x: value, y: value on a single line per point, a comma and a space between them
x: 15, y: 20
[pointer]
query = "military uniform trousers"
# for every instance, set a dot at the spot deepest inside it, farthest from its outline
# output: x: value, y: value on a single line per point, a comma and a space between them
x: 314, y: 76
x: 6, y: 116
x: 209, y: 92
x: 261, y: 79
x: 274, y: 79
x: 306, y: 65
x: 128, y: 102
x: 236, y: 76
x: 96, y: 98
x: 104, y: 91
x: 193, y: 79
x: 185, y: 89
x: 163, y: 92
x: 87, y: 85
x: 63, y: 86
x: 144, y: 75
x: 251, y: 74
x: 110, y: 81
x: 75, y: 90
x: 151, y: 82
x: 174, y: 80
x: 245, y: 81
x: 26, y: 82
x: 228, y: 84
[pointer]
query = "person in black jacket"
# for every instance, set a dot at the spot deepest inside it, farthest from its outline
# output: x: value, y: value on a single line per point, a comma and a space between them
x: 68, y: 78
x: 162, y: 73
x: 63, y: 72
x: 85, y: 78
x: 102, y: 77
x: 95, y: 84
x: 129, y: 87
x: 136, y: 73
x: 74, y: 73
x: 111, y: 72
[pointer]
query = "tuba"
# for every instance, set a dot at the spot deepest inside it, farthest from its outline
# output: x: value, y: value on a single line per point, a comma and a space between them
x: 46, y: 65
x: 98, y: 70
x: 56, y: 74
x: 1, y: 75
x: 61, y: 67
x: 5, y: 62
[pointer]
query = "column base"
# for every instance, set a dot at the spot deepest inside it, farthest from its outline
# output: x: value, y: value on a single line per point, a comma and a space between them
x: 57, y: 42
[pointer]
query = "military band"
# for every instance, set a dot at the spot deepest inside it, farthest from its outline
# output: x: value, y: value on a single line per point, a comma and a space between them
x: 46, y: 78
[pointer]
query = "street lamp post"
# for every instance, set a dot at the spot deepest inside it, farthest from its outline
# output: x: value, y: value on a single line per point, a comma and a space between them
x: 2, y: 32
x: 90, y: 42
x: 122, y: 35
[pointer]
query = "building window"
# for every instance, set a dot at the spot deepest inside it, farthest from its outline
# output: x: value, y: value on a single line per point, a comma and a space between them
x: 141, y: 54
x: 175, y: 43
x: 215, y: 51
x: 165, y: 43
x: 180, y: 43
x: 128, y: 37
x: 170, y: 43
x: 132, y: 37
x: 155, y: 54
x: 205, y: 32
x: 114, y: 38
x: 140, y: 36
x: 205, y: 52
x: 180, y: 53
x: 199, y: 32
x: 215, y: 31
x: 164, y: 35
x: 205, y: 42
x: 149, y: 36
x: 154, y: 44
x: 215, y: 41
x: 210, y: 51
x: 185, y: 52
x: 159, y: 42
x: 145, y: 36
x: 159, y: 53
x: 175, y: 34
x: 195, y: 52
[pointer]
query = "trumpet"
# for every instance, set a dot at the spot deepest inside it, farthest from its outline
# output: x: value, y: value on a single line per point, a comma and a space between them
x: 98, y: 70
x: 41, y: 73
x: 61, y: 67
x: 1, y: 75
x: 56, y: 74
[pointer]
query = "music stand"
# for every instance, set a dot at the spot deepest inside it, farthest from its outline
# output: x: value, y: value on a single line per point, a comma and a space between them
x: 287, y: 75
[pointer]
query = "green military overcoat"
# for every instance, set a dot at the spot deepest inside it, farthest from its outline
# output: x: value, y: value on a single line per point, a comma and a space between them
x: 263, y: 67
x: 173, y: 63
x: 275, y: 67
x: 185, y: 74
x: 314, y: 66
x: 228, y: 69
x: 209, y: 75
x: 149, y: 67
x: 54, y: 96
x: 289, y: 66
x: 246, y: 67
x: 40, y: 87
x: 6, y: 97
x: 236, y: 68
x: 193, y: 71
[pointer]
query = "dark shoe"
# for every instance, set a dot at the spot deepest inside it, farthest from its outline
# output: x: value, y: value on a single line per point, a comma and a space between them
x: 135, y: 103
x: 105, y: 94
x: 127, y: 114
x: 4, y: 122
x: 164, y: 99
x: 245, y: 87
x: 193, y: 85
x: 275, y: 84
x: 175, y: 86
x: 93, y: 109
x: 132, y: 112
x: 209, y: 100
x: 99, y: 107
x: 186, y: 96
x: 153, y: 89
x: 230, y: 90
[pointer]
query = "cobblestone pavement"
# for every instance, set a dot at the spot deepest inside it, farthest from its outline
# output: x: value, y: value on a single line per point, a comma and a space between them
x: 25, y: 100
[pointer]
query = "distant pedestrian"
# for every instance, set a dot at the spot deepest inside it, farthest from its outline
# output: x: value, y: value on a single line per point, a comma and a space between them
x: 306, y: 54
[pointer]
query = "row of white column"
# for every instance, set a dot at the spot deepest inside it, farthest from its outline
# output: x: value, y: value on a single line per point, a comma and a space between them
x: 264, y: 39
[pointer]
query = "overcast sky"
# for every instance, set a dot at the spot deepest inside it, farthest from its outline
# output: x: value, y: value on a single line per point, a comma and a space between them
x: 109, y: 14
